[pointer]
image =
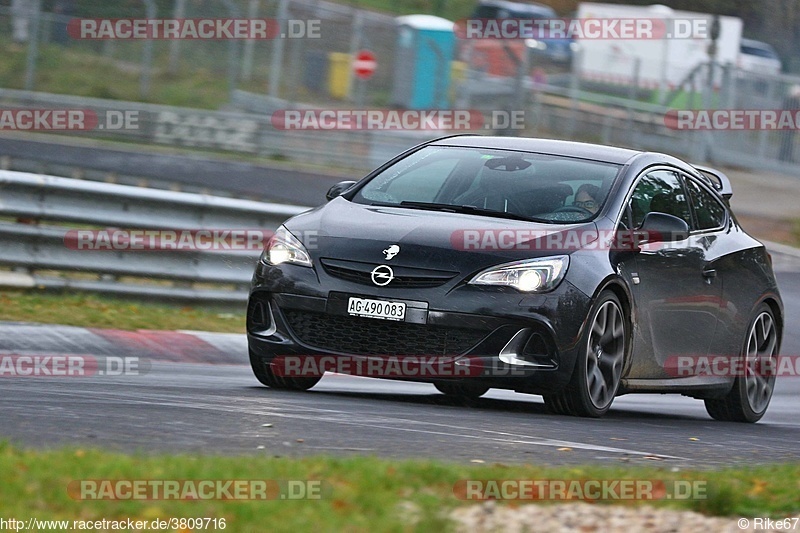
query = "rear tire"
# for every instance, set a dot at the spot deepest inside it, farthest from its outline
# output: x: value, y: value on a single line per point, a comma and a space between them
x: 461, y: 390
x: 750, y: 396
x: 264, y: 373
x: 598, y: 368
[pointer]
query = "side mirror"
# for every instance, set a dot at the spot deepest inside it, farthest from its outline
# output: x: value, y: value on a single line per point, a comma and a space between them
x: 661, y: 227
x: 338, y: 189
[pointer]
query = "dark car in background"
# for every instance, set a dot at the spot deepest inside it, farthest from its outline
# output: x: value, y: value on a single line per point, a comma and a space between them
x: 575, y: 271
x: 500, y: 57
x: 554, y: 49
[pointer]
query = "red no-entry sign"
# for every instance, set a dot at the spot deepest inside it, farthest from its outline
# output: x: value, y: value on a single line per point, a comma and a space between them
x: 365, y: 64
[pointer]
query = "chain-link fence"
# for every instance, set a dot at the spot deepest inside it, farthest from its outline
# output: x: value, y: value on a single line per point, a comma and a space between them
x: 312, y: 67
x: 767, y: 93
x: 312, y: 62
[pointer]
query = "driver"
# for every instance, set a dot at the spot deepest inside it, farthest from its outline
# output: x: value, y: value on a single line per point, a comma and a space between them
x: 586, y: 197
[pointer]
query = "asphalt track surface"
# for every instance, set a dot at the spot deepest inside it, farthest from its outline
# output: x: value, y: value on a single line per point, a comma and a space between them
x: 200, y: 407
x: 191, y: 173
x: 220, y: 409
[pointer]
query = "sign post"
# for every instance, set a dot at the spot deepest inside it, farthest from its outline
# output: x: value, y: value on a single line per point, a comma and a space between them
x: 364, y: 66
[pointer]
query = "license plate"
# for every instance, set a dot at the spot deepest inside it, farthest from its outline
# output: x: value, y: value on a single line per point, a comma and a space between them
x: 376, y: 309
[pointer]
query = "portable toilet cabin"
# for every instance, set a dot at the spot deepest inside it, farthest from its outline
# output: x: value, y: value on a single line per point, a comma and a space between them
x: 425, y: 50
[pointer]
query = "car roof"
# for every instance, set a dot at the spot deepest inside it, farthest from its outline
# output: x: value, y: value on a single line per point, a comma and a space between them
x: 595, y: 152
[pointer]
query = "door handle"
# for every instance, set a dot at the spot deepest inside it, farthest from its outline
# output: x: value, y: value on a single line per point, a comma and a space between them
x: 709, y: 274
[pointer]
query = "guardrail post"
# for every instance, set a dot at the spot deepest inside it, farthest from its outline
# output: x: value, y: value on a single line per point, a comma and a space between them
x: 33, y: 46
x: 147, y: 53
x: 249, y: 44
x: 574, y: 90
x: 276, y: 61
x: 355, y: 43
x: 233, y: 50
x: 763, y: 135
x: 633, y: 94
x: 178, y: 12
x: 463, y: 89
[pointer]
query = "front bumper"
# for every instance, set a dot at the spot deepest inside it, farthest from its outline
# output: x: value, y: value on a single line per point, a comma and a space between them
x: 492, y: 336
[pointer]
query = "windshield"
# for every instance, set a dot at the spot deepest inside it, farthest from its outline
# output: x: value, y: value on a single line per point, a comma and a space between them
x: 490, y: 182
x: 758, y: 52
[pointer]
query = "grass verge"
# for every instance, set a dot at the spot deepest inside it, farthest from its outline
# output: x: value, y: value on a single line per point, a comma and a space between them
x: 88, y: 310
x: 359, y: 494
x: 77, y: 71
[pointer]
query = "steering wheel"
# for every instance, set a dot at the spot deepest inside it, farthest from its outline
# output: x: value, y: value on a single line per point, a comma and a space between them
x: 573, y: 209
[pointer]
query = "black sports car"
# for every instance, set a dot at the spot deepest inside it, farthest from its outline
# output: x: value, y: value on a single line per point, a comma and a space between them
x: 575, y: 271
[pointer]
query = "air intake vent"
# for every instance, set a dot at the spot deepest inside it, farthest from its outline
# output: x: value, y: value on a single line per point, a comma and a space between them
x: 368, y: 336
x: 259, y: 318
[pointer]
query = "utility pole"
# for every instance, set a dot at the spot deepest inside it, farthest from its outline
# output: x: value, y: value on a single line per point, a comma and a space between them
x: 33, y: 44
x: 276, y: 62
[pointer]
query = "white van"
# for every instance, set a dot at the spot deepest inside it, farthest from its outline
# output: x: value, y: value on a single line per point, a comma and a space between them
x: 757, y: 56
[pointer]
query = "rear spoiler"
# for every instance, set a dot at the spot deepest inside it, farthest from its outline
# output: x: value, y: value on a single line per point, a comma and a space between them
x: 716, y: 179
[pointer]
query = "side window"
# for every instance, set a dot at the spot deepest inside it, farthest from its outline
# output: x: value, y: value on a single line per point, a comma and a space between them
x: 660, y: 191
x: 708, y: 211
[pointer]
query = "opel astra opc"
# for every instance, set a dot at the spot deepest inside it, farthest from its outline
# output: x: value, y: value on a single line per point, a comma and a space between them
x: 573, y: 271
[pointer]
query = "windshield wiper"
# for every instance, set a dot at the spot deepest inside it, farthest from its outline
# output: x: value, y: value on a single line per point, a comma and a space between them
x: 470, y: 210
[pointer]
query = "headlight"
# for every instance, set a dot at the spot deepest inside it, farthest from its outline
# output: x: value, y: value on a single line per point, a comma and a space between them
x: 284, y: 247
x: 530, y: 275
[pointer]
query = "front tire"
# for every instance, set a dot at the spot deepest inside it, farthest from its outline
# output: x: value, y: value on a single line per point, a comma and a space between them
x: 750, y: 396
x: 598, y: 368
x: 267, y: 376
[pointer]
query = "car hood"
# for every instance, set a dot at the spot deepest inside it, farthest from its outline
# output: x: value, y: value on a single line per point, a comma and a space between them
x: 453, y: 242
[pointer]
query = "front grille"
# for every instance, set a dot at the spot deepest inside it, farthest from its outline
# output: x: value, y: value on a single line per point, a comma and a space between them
x: 403, y: 277
x: 369, y: 336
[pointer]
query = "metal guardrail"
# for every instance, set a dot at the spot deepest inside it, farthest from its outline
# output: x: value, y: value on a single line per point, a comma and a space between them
x: 31, y: 248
